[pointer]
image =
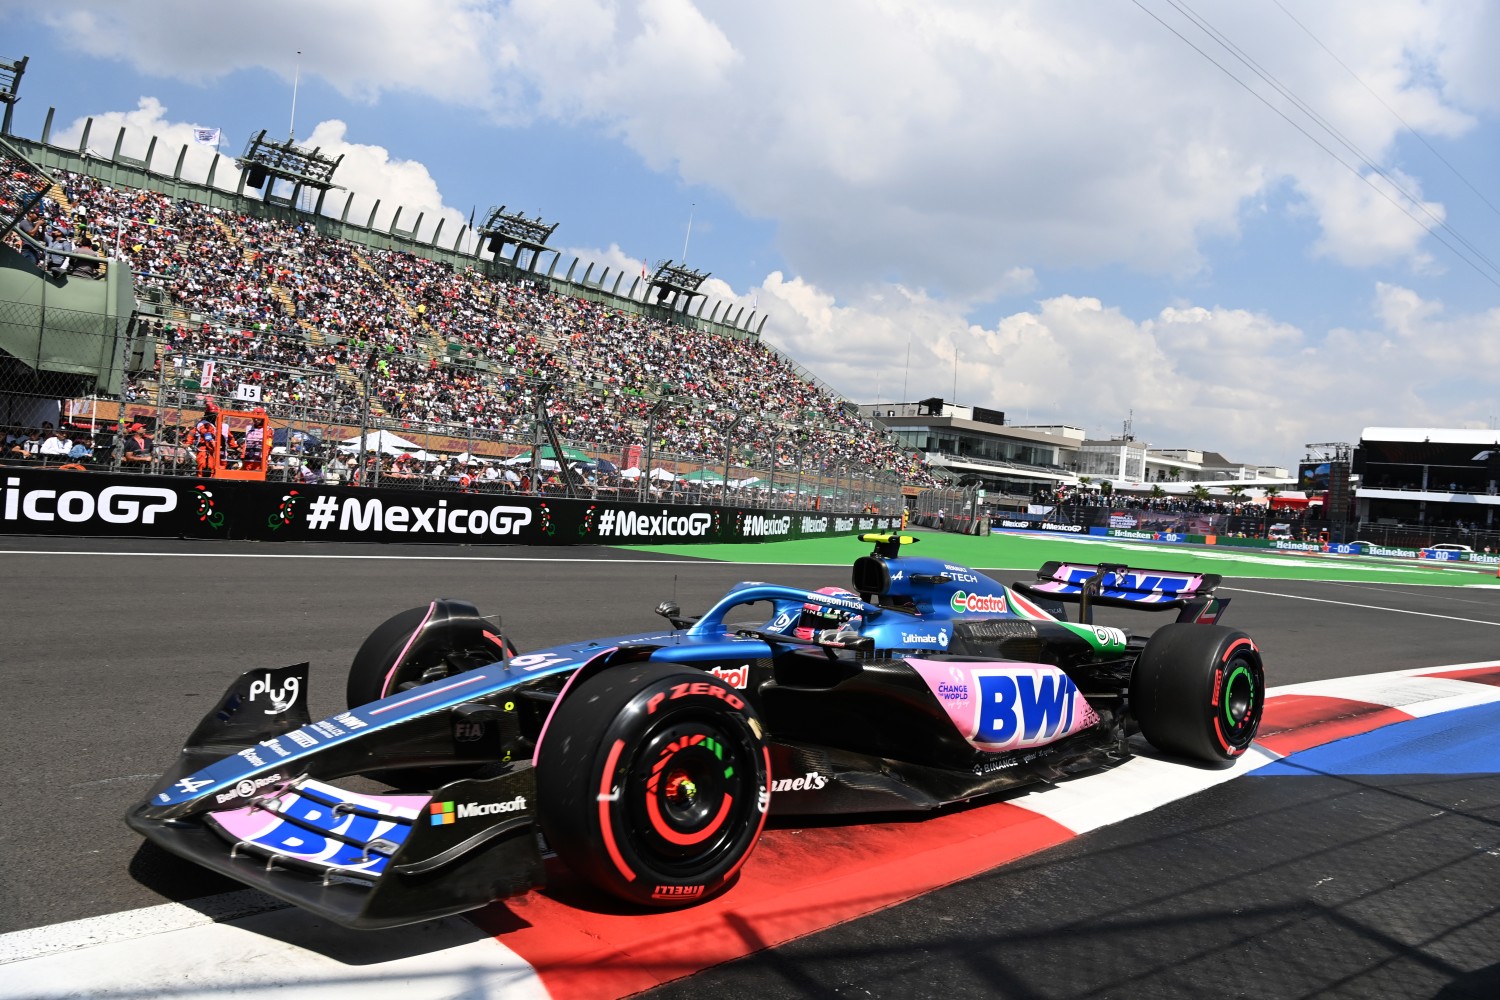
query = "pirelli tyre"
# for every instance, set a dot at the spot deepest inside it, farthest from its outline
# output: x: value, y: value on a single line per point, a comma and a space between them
x: 653, y: 783
x: 1198, y: 691
x: 420, y: 646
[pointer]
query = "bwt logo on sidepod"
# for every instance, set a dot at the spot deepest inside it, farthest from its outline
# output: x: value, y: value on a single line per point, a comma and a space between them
x: 1025, y: 707
x: 114, y: 505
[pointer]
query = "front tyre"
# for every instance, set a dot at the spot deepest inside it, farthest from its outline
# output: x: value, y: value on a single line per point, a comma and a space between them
x: 653, y: 783
x: 1199, y: 691
x: 420, y: 646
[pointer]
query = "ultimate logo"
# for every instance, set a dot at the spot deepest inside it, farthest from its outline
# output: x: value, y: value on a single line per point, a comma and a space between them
x: 286, y: 512
x: 206, y: 512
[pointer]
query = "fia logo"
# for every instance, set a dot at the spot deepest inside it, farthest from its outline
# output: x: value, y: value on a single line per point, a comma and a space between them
x: 468, y: 732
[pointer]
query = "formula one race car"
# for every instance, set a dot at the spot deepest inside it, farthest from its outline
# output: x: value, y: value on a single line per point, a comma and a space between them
x: 649, y: 763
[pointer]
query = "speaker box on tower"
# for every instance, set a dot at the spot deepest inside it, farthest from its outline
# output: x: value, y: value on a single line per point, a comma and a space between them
x: 256, y: 177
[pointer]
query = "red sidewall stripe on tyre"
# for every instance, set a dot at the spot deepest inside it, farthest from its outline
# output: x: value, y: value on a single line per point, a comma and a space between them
x: 606, y: 799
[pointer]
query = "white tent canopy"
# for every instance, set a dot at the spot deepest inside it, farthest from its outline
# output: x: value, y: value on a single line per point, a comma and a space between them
x: 384, y: 441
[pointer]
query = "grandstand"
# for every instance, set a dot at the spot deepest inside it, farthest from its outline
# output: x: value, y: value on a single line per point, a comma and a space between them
x: 334, y: 329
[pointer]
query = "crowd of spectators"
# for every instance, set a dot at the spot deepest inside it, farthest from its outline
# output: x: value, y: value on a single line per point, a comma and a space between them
x: 1169, y: 504
x: 308, y: 318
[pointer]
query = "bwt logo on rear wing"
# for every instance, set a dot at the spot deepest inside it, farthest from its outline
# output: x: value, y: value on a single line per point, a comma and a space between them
x: 1120, y: 586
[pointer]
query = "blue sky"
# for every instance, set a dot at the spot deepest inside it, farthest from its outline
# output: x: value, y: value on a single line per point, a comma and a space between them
x: 1064, y: 198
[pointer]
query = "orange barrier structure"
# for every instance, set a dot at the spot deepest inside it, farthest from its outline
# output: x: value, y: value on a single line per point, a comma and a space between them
x: 247, y: 455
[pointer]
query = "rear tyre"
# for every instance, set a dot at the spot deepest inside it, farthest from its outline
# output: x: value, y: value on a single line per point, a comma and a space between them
x: 1199, y: 691
x: 420, y: 646
x: 654, y: 783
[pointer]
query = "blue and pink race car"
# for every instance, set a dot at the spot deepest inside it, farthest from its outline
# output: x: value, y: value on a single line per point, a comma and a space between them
x: 650, y: 763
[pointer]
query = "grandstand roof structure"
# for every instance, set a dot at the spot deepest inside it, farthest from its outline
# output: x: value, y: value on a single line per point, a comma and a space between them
x: 1440, y: 435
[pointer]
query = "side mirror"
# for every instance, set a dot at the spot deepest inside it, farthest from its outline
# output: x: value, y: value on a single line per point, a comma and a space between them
x: 673, y: 613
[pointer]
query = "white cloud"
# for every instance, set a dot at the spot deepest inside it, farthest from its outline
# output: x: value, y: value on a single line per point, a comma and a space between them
x: 953, y: 142
x: 1230, y: 380
x: 146, y: 120
x: 369, y: 173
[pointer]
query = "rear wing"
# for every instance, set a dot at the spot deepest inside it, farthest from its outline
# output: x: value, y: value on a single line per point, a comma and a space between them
x: 1117, y: 586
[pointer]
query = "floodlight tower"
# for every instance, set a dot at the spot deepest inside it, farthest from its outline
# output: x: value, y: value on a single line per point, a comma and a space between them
x: 503, y: 228
x: 673, y: 281
x: 266, y: 160
x: 10, y: 88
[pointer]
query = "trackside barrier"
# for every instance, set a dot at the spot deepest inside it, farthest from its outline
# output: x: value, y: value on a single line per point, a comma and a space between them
x: 51, y: 502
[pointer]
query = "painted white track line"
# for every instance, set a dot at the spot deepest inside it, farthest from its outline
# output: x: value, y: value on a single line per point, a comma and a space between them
x: 1139, y: 785
x: 1364, y: 607
x: 1407, y: 690
x: 279, y: 954
x: 246, y: 947
x: 39, y: 942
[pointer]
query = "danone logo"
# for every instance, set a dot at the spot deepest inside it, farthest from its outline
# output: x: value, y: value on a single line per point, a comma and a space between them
x: 976, y: 603
x: 447, y: 813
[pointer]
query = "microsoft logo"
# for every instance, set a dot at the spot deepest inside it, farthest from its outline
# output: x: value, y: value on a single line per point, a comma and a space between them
x: 446, y: 813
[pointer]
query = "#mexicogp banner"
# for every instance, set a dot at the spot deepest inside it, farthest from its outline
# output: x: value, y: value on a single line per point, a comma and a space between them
x: 50, y: 502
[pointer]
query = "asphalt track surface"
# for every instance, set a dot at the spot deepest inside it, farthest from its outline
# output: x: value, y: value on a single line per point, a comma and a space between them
x: 1371, y: 886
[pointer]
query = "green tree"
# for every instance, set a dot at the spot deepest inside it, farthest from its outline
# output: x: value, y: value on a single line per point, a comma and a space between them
x: 1199, y: 492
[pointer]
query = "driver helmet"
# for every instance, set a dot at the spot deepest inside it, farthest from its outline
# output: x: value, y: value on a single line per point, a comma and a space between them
x: 815, y: 618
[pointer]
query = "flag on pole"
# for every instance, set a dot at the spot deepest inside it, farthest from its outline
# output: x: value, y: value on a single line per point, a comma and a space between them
x: 206, y: 136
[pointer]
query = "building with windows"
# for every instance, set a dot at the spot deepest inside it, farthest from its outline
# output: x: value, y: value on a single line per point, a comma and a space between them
x: 1432, y: 476
x: 975, y: 446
